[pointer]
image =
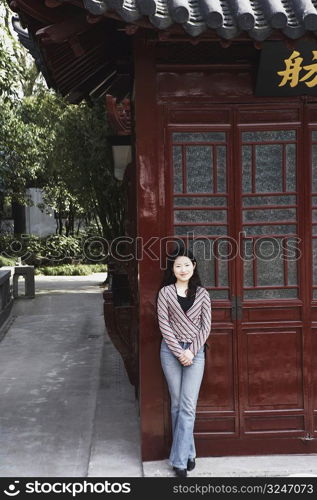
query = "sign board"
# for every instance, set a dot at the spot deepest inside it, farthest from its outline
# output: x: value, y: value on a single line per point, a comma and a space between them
x: 287, y: 71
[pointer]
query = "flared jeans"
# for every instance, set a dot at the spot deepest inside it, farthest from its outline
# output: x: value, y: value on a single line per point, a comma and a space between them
x: 184, y: 384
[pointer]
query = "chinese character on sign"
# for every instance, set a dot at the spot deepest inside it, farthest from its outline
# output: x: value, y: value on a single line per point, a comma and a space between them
x: 311, y: 71
x: 294, y: 69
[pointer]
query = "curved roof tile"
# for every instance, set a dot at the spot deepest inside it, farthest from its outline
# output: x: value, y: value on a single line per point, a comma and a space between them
x: 228, y: 17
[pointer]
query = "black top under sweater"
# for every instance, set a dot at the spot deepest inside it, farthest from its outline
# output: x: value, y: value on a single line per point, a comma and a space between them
x: 186, y: 302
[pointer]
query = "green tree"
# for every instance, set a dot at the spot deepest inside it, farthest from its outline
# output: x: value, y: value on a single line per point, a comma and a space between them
x: 9, y: 68
x: 81, y: 169
x: 20, y: 140
x: 27, y: 135
x: 20, y: 157
x: 19, y: 75
x: 46, y: 143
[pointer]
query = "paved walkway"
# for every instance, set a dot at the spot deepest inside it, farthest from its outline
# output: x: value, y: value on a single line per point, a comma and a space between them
x: 66, y: 405
x: 63, y: 387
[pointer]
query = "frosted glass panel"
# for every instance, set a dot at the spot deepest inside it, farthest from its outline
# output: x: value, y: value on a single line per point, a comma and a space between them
x: 269, y: 200
x: 292, y: 272
x: 201, y: 230
x: 247, y: 250
x: 221, y: 155
x: 202, y: 158
x: 273, y: 135
x: 269, y: 215
x: 222, y: 251
x: 314, y: 135
x: 177, y: 165
x: 199, y: 137
x: 246, y: 169
x: 222, y: 272
x: 268, y: 177
x: 202, y: 247
x: 206, y: 269
x: 203, y: 251
x: 250, y: 264
x: 314, y: 167
x: 290, y: 167
x: 270, y: 262
x: 248, y: 273
x: 206, y: 251
x: 290, y: 248
x: 199, y: 162
x: 289, y: 293
x: 200, y: 201
x: 270, y: 265
x: 315, y: 261
x: 200, y: 216
x: 270, y: 272
x: 275, y: 229
x: 219, y: 294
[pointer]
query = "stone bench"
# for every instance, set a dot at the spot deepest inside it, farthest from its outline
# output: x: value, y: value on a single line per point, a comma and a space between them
x: 6, y: 300
x: 27, y: 272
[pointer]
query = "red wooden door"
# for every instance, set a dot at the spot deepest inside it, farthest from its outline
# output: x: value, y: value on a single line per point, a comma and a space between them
x: 239, y: 196
x: 311, y: 243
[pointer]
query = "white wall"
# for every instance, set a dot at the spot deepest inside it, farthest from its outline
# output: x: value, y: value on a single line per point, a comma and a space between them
x: 37, y: 222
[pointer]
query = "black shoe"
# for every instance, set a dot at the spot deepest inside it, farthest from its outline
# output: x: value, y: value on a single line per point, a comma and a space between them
x: 180, y: 472
x: 191, y: 464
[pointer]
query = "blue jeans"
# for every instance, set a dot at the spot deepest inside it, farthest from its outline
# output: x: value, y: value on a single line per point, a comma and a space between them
x: 183, y: 384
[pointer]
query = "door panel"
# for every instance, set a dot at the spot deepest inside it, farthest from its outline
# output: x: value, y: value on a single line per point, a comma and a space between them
x: 312, y: 113
x: 201, y: 182
x: 218, y: 393
x: 269, y: 386
x: 270, y: 353
x: 200, y: 200
x: 314, y: 209
x: 269, y: 214
x: 239, y: 200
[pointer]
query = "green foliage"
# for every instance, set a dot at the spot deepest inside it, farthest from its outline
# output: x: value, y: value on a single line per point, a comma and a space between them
x: 81, y: 174
x: 63, y: 248
x: 47, y: 143
x: 64, y: 150
x: 25, y: 247
x: 4, y: 261
x: 18, y: 72
x: 51, y: 250
x: 9, y: 67
x: 7, y: 71
x: 28, y: 114
x: 21, y: 155
x: 71, y: 270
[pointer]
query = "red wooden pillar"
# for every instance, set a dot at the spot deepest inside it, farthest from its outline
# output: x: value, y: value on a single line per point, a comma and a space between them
x: 151, y: 224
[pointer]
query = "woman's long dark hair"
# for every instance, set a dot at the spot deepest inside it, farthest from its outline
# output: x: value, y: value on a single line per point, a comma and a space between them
x: 170, y: 278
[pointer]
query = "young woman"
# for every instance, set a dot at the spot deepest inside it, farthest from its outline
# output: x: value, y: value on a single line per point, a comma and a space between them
x: 184, y: 316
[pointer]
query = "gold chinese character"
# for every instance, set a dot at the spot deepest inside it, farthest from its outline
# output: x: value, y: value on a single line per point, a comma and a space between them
x: 293, y: 68
x: 311, y: 71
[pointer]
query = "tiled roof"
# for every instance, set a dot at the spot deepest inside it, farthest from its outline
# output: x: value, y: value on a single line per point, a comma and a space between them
x: 82, y: 50
x: 227, y: 17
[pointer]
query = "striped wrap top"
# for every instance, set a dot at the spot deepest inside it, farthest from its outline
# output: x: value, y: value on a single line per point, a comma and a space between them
x: 178, y: 326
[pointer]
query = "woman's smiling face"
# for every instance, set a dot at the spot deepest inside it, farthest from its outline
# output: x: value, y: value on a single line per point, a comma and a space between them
x: 183, y: 268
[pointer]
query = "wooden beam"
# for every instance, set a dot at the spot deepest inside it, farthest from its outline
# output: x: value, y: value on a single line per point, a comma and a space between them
x: 52, y: 3
x: 65, y: 30
x: 37, y: 10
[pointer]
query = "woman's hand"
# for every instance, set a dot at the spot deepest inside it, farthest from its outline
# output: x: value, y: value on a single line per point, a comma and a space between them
x: 186, y: 359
